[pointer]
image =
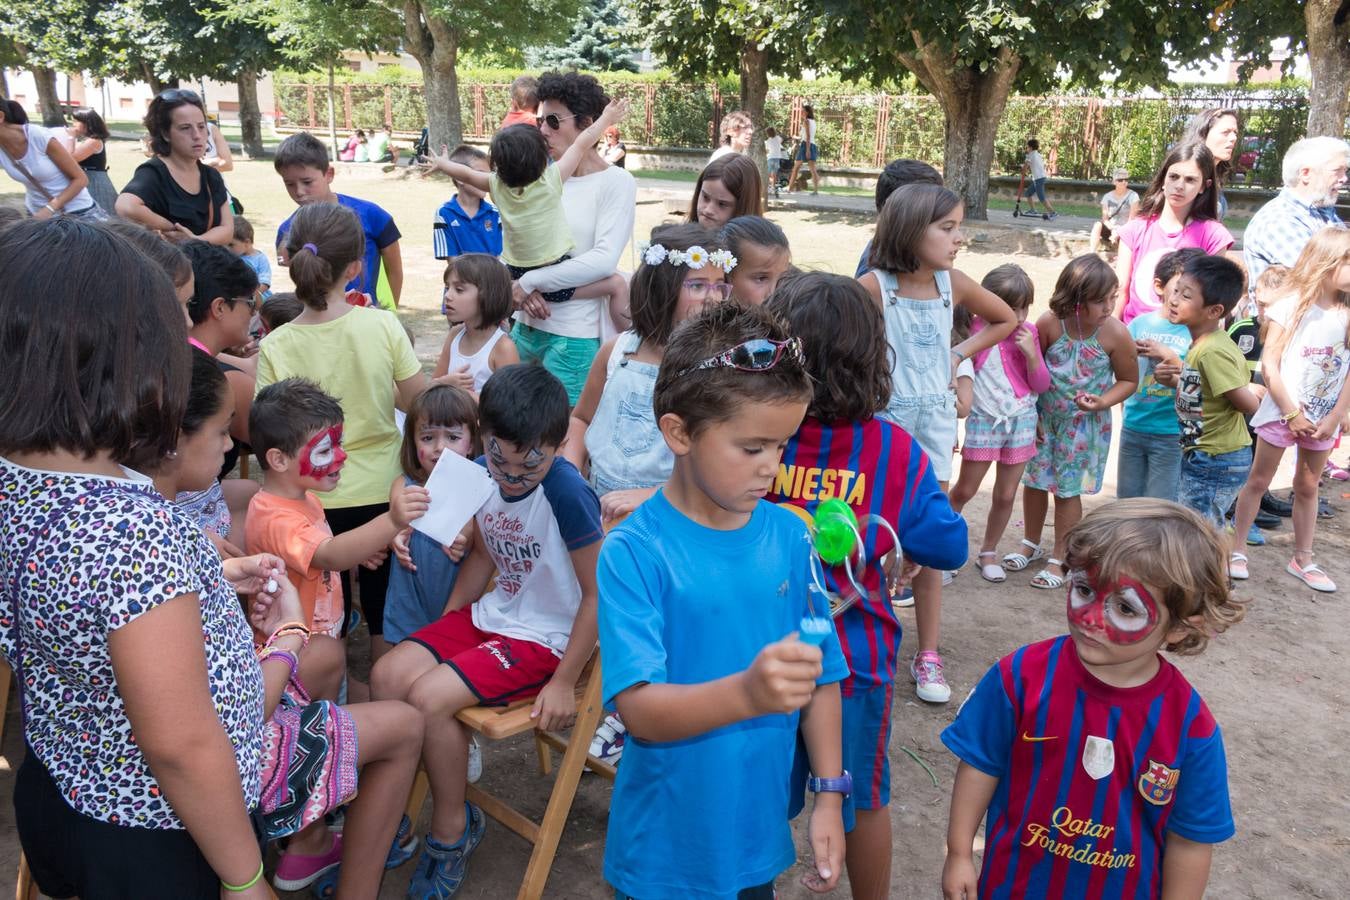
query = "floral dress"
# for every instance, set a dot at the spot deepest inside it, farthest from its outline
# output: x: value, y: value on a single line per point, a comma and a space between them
x: 1072, y: 445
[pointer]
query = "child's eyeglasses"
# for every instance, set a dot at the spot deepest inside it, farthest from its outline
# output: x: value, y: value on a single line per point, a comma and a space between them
x: 758, y: 355
x: 552, y: 120
x: 700, y: 289
x: 250, y: 301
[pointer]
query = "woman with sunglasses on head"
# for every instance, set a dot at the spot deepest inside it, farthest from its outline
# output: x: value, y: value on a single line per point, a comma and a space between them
x: 175, y: 193
x: 37, y: 158
x: 1219, y: 129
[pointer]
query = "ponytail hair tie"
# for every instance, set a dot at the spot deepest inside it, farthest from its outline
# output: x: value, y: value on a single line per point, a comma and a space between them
x: 311, y: 248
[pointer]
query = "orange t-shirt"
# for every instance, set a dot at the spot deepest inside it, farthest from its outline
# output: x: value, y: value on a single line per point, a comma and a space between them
x: 293, y: 530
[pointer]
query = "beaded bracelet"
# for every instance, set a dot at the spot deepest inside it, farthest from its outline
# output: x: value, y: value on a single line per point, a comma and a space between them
x: 288, y: 629
x: 1289, y: 417
x: 240, y: 888
x: 284, y: 655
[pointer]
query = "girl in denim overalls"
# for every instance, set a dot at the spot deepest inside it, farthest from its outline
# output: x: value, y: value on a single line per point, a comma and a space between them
x: 613, y: 426
x: 911, y: 278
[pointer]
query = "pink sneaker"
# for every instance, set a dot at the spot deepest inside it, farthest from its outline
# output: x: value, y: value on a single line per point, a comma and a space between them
x: 927, y: 672
x: 296, y: 872
x: 1335, y: 472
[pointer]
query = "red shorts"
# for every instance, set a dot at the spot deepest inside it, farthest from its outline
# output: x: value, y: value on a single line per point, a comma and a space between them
x: 498, y: 669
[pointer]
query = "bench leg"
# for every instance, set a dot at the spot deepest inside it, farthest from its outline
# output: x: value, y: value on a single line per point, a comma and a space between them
x: 418, y: 795
x: 26, y: 889
x: 564, y: 791
x: 545, y: 755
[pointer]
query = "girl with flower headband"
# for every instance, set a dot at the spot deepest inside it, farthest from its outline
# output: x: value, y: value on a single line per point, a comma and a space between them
x: 683, y: 270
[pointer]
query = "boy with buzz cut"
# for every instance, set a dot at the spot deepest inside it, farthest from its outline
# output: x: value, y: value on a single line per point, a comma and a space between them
x: 704, y: 589
x: 302, y: 162
x: 296, y: 432
x: 530, y: 636
x: 1097, y: 767
x: 1212, y: 388
x: 467, y: 222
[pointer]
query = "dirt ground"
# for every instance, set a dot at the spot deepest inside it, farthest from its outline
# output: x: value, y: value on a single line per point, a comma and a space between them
x: 1272, y: 682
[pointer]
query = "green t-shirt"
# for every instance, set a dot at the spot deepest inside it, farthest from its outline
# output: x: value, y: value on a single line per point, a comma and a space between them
x: 534, y: 230
x: 1209, y: 422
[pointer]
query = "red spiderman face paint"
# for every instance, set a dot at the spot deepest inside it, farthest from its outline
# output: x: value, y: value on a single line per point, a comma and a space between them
x: 323, y: 455
x: 1123, y: 612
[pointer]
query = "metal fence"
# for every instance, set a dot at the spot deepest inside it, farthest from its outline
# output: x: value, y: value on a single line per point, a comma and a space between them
x: 1081, y: 137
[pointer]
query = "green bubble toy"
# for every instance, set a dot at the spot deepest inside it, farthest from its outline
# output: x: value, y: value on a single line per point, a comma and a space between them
x: 836, y: 536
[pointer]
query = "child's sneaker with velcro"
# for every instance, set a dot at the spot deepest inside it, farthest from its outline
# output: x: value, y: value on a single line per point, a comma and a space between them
x: 441, y: 869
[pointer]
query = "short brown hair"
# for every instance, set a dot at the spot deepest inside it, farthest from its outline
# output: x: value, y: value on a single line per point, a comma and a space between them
x: 440, y: 405
x: 739, y: 175
x: 338, y: 240
x: 704, y: 397
x: 1011, y: 284
x: 525, y: 92
x: 1170, y: 549
x: 304, y: 150
x: 493, y: 280
x: 82, y: 377
x: 655, y: 289
x: 287, y: 413
x: 159, y: 116
x: 903, y: 219
x: 844, y: 339
x: 243, y: 230
x: 1086, y: 279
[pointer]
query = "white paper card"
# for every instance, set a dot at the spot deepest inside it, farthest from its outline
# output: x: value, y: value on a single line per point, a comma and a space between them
x: 459, y: 487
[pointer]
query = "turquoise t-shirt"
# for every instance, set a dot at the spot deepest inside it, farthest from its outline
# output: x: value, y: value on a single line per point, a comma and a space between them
x: 1151, y: 409
x: 681, y: 603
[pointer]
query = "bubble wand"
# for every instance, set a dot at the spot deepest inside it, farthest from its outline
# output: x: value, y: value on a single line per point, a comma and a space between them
x: 836, y: 538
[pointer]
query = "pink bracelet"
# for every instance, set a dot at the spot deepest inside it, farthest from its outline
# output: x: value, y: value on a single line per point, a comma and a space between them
x: 284, y: 655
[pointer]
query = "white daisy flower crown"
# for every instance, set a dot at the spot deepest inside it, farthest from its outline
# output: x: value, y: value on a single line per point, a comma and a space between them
x: 695, y: 257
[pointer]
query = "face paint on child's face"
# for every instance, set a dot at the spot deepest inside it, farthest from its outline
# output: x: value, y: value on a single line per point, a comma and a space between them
x: 1123, y: 612
x: 517, y: 471
x: 323, y: 455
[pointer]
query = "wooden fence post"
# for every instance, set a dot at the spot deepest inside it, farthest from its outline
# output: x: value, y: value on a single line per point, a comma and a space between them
x: 847, y: 146
x: 715, y: 138
x: 389, y: 105
x: 478, y: 110
x: 883, y: 123
x: 309, y: 105
x: 649, y: 123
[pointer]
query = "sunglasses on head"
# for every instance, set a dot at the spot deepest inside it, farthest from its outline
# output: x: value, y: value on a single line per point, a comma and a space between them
x: 757, y: 355
x: 174, y: 94
x: 552, y: 120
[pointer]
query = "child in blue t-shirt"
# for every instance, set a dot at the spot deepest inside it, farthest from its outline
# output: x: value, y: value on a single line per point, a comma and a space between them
x: 1149, y: 464
x: 1098, y: 769
x: 241, y: 245
x: 703, y: 589
x: 302, y: 162
x: 467, y: 222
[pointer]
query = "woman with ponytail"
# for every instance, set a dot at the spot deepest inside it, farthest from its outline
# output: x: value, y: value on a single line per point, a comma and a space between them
x: 360, y: 355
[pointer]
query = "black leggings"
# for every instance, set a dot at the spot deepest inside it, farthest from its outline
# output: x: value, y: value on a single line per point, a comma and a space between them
x: 374, y: 583
x: 72, y: 855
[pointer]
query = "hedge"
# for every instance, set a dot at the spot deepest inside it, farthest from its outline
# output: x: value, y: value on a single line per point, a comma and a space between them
x: 1081, y: 136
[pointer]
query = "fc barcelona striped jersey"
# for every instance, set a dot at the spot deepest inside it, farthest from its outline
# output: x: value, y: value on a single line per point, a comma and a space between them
x: 878, y: 469
x: 1091, y: 778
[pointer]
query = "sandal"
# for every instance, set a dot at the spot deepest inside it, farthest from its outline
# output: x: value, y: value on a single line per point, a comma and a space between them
x: 1047, y: 580
x: 1019, y: 561
x: 1312, y: 575
x: 1237, y: 567
x: 991, y: 571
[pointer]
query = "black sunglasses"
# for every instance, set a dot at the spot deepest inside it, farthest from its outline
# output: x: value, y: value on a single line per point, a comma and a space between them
x: 552, y: 120
x: 173, y: 95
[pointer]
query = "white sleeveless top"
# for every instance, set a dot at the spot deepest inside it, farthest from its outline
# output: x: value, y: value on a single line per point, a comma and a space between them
x: 478, y: 363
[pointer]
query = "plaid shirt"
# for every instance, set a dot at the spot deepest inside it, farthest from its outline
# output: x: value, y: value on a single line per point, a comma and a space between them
x: 1276, y: 234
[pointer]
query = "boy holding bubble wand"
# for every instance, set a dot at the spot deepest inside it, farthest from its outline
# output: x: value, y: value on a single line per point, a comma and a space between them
x: 702, y: 593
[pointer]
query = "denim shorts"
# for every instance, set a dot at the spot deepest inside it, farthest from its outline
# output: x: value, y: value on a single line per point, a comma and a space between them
x: 1148, y: 465
x: 1210, y: 483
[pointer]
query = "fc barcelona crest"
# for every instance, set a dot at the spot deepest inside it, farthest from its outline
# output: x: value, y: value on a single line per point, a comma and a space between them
x: 1158, y: 783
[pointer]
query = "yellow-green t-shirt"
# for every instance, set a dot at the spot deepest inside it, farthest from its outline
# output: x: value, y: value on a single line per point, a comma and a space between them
x: 534, y: 229
x: 356, y: 358
x: 1209, y: 422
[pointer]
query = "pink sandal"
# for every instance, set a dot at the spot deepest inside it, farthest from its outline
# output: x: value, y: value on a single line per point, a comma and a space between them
x: 1312, y: 575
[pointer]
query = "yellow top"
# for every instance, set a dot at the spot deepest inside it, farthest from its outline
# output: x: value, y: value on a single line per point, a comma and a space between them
x: 534, y: 229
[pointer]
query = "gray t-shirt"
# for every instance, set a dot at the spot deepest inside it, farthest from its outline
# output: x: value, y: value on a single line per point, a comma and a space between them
x: 1117, y: 209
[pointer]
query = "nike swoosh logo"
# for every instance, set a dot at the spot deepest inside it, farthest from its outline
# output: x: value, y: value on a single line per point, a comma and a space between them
x: 1036, y: 740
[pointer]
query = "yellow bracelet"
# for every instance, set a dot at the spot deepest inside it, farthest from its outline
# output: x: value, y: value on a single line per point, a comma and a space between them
x: 240, y: 888
x: 1289, y: 417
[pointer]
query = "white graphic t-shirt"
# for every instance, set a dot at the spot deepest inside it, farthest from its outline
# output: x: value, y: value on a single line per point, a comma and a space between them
x: 1314, y: 362
x: 530, y: 538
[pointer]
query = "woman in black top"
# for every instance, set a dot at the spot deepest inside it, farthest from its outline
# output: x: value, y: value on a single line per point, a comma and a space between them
x: 89, y: 133
x: 174, y: 193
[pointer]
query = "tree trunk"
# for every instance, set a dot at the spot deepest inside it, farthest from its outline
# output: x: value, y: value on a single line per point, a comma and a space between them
x: 250, y: 116
x: 435, y: 46
x: 1328, y: 24
x: 45, y: 78
x: 332, y: 114
x: 754, y: 93
x: 156, y: 83
x: 972, y: 102
x: 4, y: 85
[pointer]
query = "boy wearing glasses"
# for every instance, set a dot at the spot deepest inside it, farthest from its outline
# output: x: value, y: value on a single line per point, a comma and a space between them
x: 1118, y: 206
x: 702, y: 593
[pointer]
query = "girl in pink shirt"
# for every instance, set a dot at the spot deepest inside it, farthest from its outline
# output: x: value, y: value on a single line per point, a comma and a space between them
x: 1179, y: 209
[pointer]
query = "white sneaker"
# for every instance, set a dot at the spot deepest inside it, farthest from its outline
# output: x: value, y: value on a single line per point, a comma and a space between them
x: 475, y: 760
x: 904, y: 599
x: 607, y: 745
x: 948, y: 576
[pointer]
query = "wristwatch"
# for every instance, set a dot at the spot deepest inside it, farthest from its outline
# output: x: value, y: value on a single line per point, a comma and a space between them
x: 841, y: 785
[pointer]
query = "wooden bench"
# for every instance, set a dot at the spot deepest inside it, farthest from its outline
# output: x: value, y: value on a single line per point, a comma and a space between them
x: 496, y: 723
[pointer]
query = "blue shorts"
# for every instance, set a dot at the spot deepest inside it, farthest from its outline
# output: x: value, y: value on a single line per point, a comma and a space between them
x: 866, y: 737
x: 1036, y: 188
x: 1210, y: 484
x: 806, y: 152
